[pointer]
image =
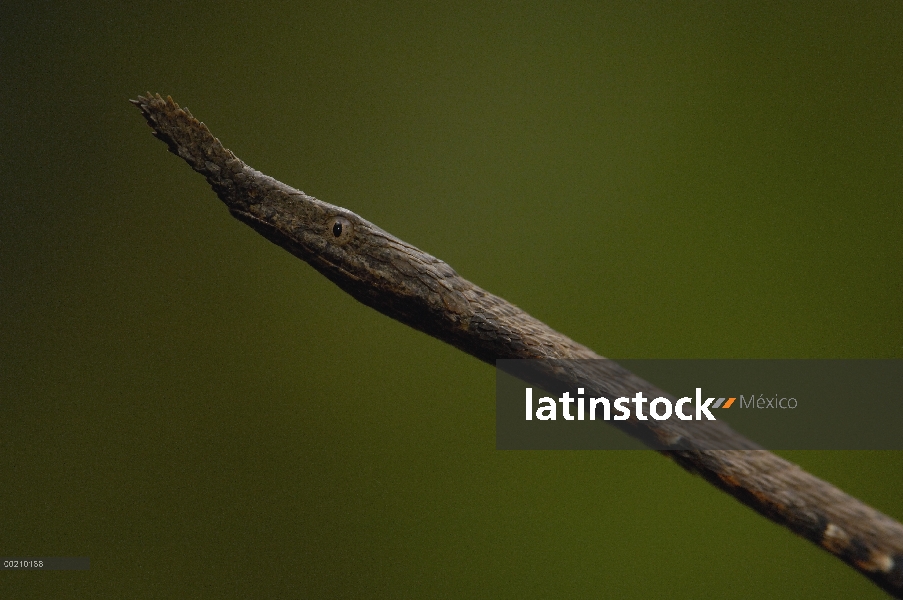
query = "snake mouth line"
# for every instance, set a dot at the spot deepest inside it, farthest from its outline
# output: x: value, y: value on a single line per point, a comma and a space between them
x: 337, y: 268
x: 273, y: 234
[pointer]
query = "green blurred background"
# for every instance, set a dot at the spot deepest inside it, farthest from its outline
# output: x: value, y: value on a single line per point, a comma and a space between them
x: 206, y: 416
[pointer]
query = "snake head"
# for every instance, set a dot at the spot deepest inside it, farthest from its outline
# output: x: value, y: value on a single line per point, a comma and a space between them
x: 372, y: 265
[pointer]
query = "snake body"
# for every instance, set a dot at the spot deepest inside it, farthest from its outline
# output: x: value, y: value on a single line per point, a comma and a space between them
x: 417, y: 289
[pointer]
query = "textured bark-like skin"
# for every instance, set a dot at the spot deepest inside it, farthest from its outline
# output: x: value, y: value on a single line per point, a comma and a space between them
x: 423, y: 292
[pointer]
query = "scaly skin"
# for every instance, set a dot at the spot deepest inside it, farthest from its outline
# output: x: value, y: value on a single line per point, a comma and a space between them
x: 423, y: 292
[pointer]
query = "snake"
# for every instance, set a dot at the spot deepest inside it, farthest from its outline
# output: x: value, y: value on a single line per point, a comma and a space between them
x: 423, y: 292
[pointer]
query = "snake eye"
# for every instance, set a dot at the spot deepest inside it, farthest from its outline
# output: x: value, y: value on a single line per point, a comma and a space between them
x: 340, y: 230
